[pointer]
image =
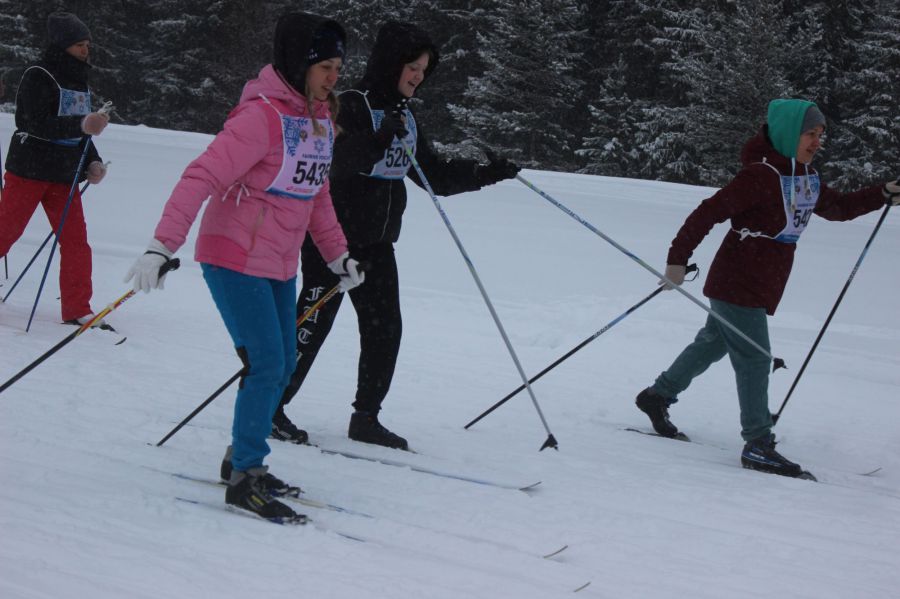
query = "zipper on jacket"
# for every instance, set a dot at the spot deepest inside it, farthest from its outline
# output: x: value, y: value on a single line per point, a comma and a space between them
x: 256, y: 225
x: 387, y: 217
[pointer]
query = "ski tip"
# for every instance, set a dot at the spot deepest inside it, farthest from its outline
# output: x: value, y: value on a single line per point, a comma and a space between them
x: 121, y: 341
x: 582, y: 587
x: 530, y: 487
x: 871, y: 472
x: 807, y: 475
x: 555, y: 553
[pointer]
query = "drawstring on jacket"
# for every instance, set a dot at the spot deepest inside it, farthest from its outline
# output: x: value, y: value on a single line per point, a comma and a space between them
x: 242, y: 191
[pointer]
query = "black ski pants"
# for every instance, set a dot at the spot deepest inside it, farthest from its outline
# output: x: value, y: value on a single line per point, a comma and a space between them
x: 377, y: 305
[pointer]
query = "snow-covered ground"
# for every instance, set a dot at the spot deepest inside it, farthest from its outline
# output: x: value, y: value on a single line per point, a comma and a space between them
x: 87, y: 502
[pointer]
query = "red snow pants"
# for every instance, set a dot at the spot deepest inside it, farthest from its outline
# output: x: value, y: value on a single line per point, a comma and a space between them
x: 20, y: 199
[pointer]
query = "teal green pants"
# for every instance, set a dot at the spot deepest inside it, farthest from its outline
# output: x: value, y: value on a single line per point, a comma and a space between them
x: 751, y: 366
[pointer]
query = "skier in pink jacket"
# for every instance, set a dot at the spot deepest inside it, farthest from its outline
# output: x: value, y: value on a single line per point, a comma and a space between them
x: 266, y: 174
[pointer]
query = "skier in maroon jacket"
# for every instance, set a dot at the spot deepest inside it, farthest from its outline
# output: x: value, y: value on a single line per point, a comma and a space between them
x: 769, y: 204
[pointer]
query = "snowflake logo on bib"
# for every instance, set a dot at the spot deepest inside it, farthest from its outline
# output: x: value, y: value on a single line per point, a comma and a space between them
x: 292, y: 133
x: 319, y: 145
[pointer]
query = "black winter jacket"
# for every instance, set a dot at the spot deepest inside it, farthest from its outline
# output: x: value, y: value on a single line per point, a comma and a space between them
x: 370, y: 209
x: 31, y: 155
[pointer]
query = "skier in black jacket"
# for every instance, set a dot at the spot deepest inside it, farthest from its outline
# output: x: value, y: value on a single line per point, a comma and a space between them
x: 53, y: 122
x: 369, y: 194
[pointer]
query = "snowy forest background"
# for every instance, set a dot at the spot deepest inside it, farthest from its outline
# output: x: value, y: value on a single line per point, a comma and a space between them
x: 648, y: 89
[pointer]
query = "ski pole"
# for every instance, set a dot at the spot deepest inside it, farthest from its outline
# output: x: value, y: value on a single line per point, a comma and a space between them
x: 88, y: 140
x: 312, y: 310
x: 834, y: 308
x: 776, y: 362
x: 62, y: 221
x: 36, y: 254
x: 567, y: 355
x: 551, y: 440
x: 172, y: 264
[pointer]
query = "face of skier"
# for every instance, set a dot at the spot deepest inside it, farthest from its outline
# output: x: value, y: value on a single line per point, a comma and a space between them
x: 321, y: 77
x: 80, y: 50
x: 412, y: 75
x: 810, y: 143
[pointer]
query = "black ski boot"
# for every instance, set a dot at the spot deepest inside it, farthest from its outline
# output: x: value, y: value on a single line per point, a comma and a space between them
x: 245, y: 491
x: 269, y: 483
x: 760, y: 454
x: 285, y: 430
x: 657, y: 408
x: 364, y: 427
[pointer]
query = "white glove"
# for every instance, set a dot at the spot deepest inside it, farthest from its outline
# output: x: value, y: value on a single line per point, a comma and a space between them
x: 891, y: 192
x: 348, y: 270
x: 94, y: 123
x: 675, y: 273
x: 95, y: 172
x: 145, y: 270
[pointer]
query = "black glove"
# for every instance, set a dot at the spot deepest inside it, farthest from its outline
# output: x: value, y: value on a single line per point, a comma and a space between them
x: 498, y: 169
x: 392, y: 125
x: 891, y: 193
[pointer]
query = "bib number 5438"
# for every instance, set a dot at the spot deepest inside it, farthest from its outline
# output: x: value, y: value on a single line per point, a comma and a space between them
x: 311, y: 173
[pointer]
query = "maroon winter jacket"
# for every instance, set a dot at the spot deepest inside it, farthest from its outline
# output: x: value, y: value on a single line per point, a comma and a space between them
x: 753, y: 272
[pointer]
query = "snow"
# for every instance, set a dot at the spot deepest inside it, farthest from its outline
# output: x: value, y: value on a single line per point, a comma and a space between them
x: 87, y: 502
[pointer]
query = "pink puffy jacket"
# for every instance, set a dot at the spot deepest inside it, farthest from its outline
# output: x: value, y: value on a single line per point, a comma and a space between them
x: 244, y: 228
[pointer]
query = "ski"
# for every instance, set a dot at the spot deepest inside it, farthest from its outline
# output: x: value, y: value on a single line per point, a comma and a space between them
x: 423, y: 470
x: 804, y: 475
x: 107, y: 328
x: 296, y: 499
x: 679, y: 437
x: 299, y: 520
x: 223, y: 507
x: 343, y: 510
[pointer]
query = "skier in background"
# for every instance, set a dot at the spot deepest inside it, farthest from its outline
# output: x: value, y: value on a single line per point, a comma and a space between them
x: 249, y: 240
x: 370, y: 196
x: 53, y: 120
x: 769, y: 203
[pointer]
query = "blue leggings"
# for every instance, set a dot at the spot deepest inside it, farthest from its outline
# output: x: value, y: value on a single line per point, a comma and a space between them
x: 259, y: 315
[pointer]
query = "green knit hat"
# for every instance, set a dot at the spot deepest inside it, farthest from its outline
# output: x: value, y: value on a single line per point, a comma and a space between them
x: 786, y: 120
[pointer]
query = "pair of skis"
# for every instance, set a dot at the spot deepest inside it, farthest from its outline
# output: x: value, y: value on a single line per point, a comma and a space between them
x: 323, y: 525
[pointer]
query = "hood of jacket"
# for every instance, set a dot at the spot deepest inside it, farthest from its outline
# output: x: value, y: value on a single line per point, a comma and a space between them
x: 271, y: 85
x: 759, y: 148
x: 65, y: 68
x: 396, y: 44
x: 294, y: 34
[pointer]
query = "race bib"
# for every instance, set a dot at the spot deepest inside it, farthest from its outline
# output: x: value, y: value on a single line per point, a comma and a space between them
x: 396, y: 161
x: 306, y: 158
x: 805, y: 195
x: 72, y: 102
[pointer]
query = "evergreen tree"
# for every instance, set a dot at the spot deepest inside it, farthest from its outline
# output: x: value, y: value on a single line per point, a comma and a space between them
x: 520, y: 107
x: 657, y: 89
x: 864, y: 133
x: 723, y: 69
x: 608, y: 148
